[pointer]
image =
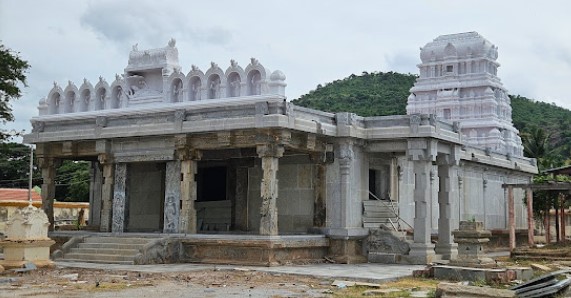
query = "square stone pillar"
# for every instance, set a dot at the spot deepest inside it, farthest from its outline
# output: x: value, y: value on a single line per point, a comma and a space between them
x: 48, y: 166
x: 172, y: 197
x: 106, y: 194
x: 447, y: 194
x: 95, y: 188
x: 120, y: 204
x: 422, y: 152
x: 188, y: 168
x: 320, y: 195
x: 345, y: 231
x: 270, y: 155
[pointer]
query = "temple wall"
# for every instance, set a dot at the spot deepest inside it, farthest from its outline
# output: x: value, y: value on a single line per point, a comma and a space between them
x: 146, y: 196
x: 481, y: 196
x: 295, y: 197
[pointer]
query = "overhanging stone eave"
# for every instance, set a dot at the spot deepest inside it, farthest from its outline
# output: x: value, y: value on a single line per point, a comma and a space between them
x: 520, y: 164
x: 164, y: 107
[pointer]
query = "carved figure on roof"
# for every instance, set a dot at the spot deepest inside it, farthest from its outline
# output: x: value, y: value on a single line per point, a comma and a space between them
x: 254, y: 61
x: 136, y: 47
x: 195, y: 89
x: 194, y: 68
x: 101, y: 79
x: 233, y: 63
x: 172, y: 42
x: 214, y: 88
x: 213, y: 64
x: 256, y: 84
x: 235, y: 86
x: 177, y: 91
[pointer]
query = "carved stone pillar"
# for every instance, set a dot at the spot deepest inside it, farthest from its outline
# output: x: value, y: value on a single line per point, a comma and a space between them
x: 270, y: 155
x: 48, y: 166
x: 106, y: 194
x: 188, y: 169
x: 447, y: 194
x: 422, y: 153
x: 172, y: 197
x: 120, y: 203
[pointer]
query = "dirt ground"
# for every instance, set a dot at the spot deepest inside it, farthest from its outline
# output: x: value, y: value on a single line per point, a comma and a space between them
x: 69, y: 282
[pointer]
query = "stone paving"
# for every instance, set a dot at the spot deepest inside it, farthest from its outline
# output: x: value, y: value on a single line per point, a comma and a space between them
x: 360, y: 272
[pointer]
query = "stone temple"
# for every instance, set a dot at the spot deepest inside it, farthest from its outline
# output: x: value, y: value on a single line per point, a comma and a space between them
x: 221, y: 168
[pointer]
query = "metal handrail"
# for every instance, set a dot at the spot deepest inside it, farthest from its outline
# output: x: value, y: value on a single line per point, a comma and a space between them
x: 395, y: 212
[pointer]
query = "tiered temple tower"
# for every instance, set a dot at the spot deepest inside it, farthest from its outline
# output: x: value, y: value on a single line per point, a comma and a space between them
x: 458, y: 82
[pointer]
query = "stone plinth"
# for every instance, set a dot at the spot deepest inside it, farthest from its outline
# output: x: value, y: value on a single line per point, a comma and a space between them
x: 27, y: 239
x: 471, y: 237
x: 253, y: 249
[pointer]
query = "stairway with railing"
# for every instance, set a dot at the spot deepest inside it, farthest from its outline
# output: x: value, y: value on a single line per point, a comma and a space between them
x: 379, y: 213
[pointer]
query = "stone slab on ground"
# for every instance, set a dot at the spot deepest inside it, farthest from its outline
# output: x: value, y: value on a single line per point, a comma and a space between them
x: 445, y: 290
x: 373, y: 273
x: 540, y: 267
x: 501, y: 275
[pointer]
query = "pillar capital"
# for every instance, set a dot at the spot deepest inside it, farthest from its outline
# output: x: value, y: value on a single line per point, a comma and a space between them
x: 186, y: 153
x: 48, y: 162
x: 270, y: 150
x: 421, y: 149
x: 105, y: 158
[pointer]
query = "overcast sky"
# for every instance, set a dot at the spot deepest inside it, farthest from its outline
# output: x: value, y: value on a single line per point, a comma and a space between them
x: 312, y: 42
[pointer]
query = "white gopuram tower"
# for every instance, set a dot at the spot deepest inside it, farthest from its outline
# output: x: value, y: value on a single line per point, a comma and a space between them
x: 458, y: 82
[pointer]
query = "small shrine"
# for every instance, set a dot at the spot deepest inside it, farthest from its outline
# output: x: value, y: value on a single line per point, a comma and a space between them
x: 27, y: 240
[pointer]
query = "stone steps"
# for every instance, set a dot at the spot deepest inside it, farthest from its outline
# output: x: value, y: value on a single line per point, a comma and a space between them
x: 113, y: 250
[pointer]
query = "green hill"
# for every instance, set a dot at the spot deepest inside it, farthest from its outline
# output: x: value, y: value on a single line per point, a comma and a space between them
x: 382, y: 94
x: 370, y: 94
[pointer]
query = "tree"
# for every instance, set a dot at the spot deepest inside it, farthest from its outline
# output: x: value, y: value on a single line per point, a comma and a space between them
x: 15, y: 166
x: 12, y: 74
x: 536, y: 144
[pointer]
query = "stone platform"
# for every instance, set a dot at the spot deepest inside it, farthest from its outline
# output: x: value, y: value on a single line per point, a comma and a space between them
x: 229, y: 249
x: 254, y: 249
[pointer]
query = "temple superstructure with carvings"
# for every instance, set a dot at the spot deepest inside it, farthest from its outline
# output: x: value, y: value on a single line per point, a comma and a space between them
x: 458, y: 82
x: 153, y: 77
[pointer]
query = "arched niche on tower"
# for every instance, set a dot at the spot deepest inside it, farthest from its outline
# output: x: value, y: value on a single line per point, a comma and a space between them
x: 85, y: 97
x: 195, y: 84
x: 54, y: 100
x: 234, y: 86
x: 117, y: 96
x: 195, y: 88
x: 177, y: 87
x: 215, y: 82
x: 70, y: 98
x: 256, y: 78
x: 101, y: 94
x: 235, y: 78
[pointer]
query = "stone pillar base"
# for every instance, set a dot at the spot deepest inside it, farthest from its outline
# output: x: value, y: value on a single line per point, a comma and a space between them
x: 19, y: 252
x: 348, y: 250
x: 420, y: 254
x: 448, y: 251
x: 20, y: 264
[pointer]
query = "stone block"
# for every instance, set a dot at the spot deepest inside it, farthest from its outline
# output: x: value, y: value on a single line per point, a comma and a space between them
x: 522, y: 273
x: 456, y: 290
x: 383, y: 258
